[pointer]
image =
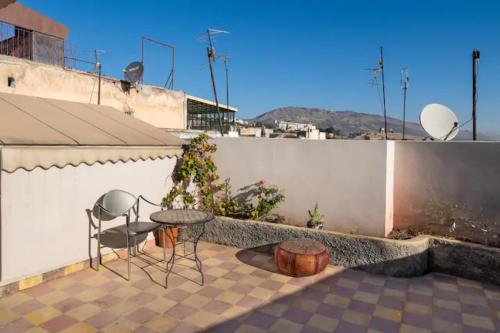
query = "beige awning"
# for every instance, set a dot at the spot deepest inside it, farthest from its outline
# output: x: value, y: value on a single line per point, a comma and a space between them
x: 40, y: 132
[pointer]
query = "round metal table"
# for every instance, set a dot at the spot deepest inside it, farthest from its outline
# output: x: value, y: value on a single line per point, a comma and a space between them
x: 182, y: 218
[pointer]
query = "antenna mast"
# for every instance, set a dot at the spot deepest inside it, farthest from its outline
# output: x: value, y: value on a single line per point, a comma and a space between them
x: 405, y: 83
x: 381, y: 63
x: 98, y: 67
x: 226, y: 67
x: 211, y: 58
x: 475, y: 62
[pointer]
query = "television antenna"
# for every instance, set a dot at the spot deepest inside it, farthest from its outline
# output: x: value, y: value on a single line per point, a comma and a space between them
x: 98, y: 69
x: 211, y: 35
x: 226, y: 68
x: 439, y: 121
x: 405, y: 83
x: 376, y: 71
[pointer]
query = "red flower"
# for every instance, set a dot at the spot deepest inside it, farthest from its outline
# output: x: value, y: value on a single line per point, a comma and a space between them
x: 262, y: 182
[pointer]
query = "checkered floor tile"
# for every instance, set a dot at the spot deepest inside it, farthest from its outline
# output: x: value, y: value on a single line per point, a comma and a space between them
x: 244, y: 293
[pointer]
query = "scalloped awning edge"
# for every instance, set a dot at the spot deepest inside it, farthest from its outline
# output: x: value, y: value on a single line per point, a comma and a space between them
x: 30, y: 157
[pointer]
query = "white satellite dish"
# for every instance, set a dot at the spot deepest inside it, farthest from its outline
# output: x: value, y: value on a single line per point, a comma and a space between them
x: 439, y: 122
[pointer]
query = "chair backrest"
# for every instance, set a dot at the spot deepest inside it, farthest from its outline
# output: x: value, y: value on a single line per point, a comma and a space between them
x: 118, y: 202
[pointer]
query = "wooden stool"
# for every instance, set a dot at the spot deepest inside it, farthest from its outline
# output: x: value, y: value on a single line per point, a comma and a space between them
x: 301, y: 257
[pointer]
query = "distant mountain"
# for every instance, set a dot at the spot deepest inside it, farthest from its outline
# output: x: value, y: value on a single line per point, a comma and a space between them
x: 347, y: 122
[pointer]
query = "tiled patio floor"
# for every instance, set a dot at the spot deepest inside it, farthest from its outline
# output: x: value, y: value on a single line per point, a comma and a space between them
x: 242, y: 293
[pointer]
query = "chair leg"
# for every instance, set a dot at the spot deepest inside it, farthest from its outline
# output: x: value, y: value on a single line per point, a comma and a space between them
x: 99, y: 246
x: 128, y: 257
x: 98, y: 252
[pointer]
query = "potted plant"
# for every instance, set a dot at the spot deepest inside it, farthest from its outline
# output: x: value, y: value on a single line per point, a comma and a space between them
x: 315, y: 218
x: 169, y: 235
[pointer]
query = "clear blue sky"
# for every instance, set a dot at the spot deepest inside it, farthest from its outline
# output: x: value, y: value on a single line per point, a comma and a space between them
x: 304, y: 53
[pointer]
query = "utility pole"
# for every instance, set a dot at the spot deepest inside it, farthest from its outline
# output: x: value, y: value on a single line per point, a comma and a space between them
x: 475, y: 62
x: 405, y: 83
x: 381, y: 63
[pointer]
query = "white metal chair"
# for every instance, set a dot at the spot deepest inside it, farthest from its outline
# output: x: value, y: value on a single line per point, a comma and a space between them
x: 119, y: 203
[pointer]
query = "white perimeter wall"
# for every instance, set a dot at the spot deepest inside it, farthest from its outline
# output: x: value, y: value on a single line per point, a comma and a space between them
x: 44, y: 220
x: 461, y: 177
x: 352, y: 181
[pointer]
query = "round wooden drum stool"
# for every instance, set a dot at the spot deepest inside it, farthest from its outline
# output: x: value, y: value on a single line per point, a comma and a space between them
x: 301, y: 257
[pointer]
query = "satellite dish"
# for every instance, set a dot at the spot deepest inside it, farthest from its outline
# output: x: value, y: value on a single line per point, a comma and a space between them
x: 439, y: 122
x: 133, y: 72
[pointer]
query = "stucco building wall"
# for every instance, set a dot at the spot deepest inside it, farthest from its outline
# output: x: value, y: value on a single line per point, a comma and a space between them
x: 160, y: 107
x: 350, y: 180
x: 45, y: 224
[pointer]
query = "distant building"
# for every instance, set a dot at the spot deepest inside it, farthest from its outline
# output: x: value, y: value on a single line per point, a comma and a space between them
x: 250, y: 131
x: 289, y: 126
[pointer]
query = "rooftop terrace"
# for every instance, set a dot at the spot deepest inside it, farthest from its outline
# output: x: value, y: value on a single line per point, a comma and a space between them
x: 244, y: 293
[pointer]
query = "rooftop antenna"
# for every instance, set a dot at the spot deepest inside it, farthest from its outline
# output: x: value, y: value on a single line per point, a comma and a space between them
x: 374, y: 81
x: 381, y: 64
x: 226, y: 68
x: 98, y: 68
x: 475, y: 63
x: 405, y: 83
x: 211, y: 35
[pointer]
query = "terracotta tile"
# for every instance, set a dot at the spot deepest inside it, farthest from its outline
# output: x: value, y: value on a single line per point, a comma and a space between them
x: 324, y: 323
x: 162, y: 323
x: 180, y: 311
x: 283, y: 325
x: 330, y: 311
x: 27, y: 306
x: 58, y: 323
x: 217, y: 306
x: 364, y: 307
x: 107, y: 300
x: 142, y: 315
x: 79, y: 327
x: 38, y: 290
x: 344, y: 326
x: 177, y: 295
x: 250, y: 302
x: 76, y: 288
x: 355, y: 317
x: 261, y: 320
x: 387, y: 313
x: 275, y: 309
x: 225, y: 327
x: 442, y: 326
x: 478, y: 321
x: 390, y: 302
x: 15, y: 326
x: 84, y: 311
x: 143, y: 298
x: 42, y: 315
x: 417, y: 320
x: 446, y: 315
x: 241, y: 288
x: 297, y: 315
x: 184, y: 327
x: 384, y: 325
x: 101, y: 319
